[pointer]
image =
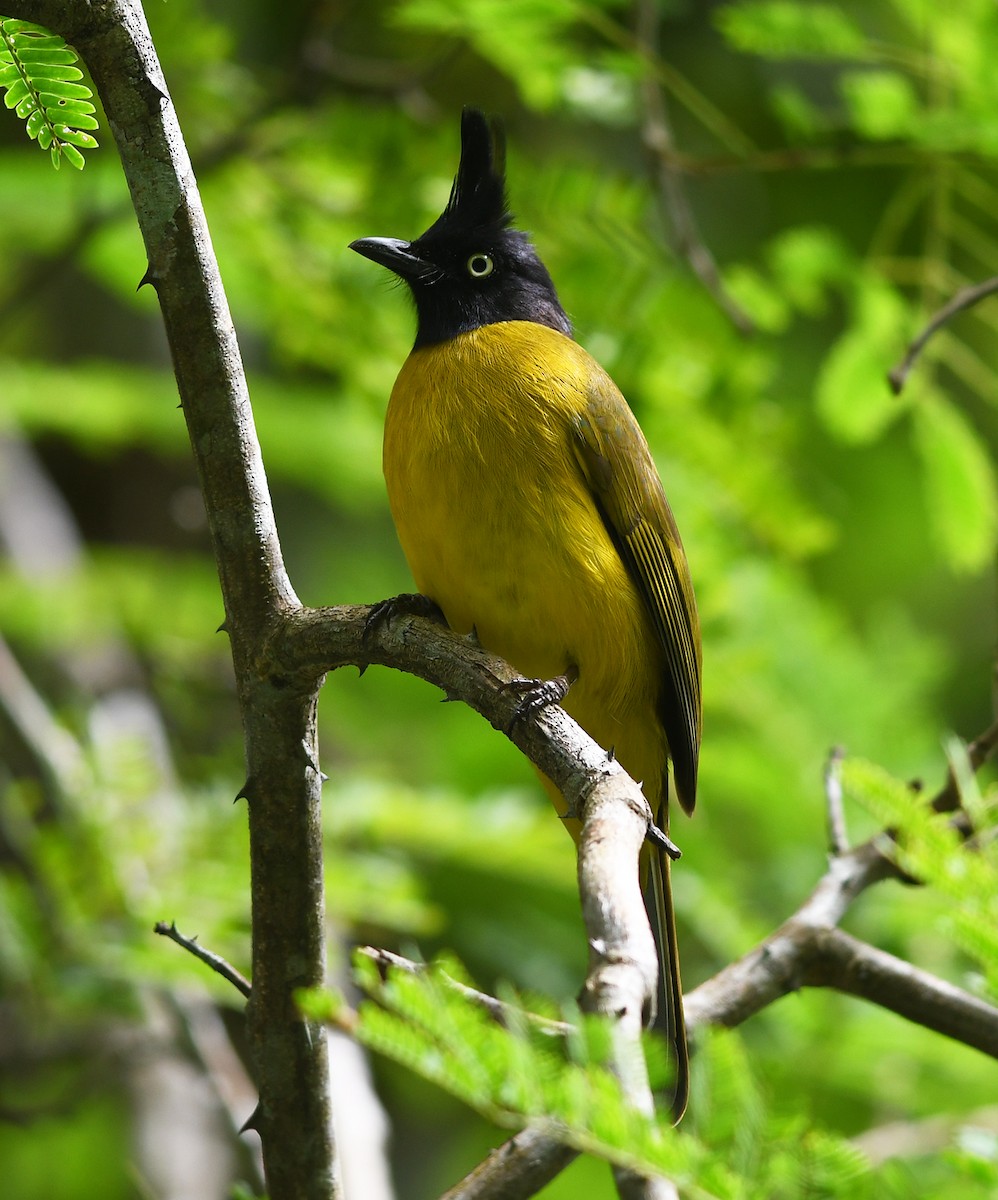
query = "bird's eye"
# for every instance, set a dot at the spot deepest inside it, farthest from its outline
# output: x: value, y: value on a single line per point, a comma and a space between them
x: 480, y: 265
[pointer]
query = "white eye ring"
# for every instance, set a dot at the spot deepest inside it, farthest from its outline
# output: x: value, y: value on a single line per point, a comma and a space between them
x: 480, y: 265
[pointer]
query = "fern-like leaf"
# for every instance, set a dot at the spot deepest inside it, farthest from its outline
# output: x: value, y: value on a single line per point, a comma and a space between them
x: 40, y: 80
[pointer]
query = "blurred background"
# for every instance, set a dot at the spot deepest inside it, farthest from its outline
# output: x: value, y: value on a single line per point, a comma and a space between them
x: 837, y: 161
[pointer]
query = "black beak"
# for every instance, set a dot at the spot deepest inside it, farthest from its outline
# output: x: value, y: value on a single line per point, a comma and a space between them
x: 391, y: 253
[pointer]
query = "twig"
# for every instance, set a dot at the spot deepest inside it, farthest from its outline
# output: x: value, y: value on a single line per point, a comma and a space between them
x: 963, y: 300
x: 215, y: 961
x: 838, y: 835
x: 498, y: 1010
x: 670, y: 192
x: 979, y: 751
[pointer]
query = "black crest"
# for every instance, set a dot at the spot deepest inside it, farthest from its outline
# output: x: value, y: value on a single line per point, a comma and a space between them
x: 478, y: 194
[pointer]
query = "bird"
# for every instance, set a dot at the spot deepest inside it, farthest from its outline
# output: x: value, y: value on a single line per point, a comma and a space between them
x: 532, y: 515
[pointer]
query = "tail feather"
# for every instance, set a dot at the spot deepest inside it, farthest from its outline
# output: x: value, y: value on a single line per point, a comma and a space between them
x: 669, y: 1017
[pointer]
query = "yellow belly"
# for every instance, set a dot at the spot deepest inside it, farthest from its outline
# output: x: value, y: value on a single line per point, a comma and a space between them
x: 500, y: 529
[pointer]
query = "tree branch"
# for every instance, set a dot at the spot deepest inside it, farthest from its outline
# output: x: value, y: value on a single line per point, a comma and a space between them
x: 215, y: 961
x: 305, y: 643
x: 807, y: 950
x: 852, y: 966
x: 283, y: 781
x: 615, y: 815
x: 964, y: 299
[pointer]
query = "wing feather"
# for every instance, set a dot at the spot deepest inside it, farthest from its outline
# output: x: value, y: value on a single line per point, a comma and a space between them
x: 621, y: 474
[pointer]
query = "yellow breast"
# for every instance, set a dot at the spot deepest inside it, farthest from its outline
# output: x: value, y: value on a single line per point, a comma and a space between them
x: 500, y: 529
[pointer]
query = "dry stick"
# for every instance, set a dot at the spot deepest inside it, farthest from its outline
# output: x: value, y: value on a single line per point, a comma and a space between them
x: 283, y: 783
x: 963, y: 300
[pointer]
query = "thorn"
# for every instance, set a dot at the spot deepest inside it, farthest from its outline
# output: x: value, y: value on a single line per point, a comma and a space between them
x: 244, y: 792
x: 611, y: 754
x: 473, y: 637
x: 149, y: 277
x: 252, y: 1121
x: 663, y: 841
x: 361, y: 669
x: 223, y: 628
x: 323, y: 777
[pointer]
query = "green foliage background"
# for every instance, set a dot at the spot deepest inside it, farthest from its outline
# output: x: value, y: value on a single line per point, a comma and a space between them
x: 840, y: 161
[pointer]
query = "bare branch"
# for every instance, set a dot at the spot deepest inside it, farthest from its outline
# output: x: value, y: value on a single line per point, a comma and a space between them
x: 215, y: 961
x: 852, y: 966
x: 306, y: 643
x: 963, y: 300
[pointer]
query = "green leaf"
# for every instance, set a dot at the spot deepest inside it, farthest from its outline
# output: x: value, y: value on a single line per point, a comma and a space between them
x: 73, y: 156
x: 959, y: 483
x: 33, y: 53
x: 852, y: 395
x: 50, y: 99
x: 16, y: 93
x: 51, y: 42
x: 61, y: 119
x: 13, y: 25
x: 39, y: 77
x: 75, y: 136
x: 804, y: 261
x: 70, y: 91
x: 36, y: 122
x: 787, y: 29
x: 530, y: 40
x: 55, y: 73
x: 883, y: 104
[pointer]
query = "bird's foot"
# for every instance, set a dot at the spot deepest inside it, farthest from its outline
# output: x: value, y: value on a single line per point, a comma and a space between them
x: 536, y: 694
x: 407, y: 604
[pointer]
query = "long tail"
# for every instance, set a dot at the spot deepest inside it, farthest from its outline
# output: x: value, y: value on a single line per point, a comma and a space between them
x: 669, y: 1018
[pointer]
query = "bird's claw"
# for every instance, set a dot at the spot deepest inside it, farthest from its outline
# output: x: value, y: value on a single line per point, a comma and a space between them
x: 407, y: 604
x: 536, y: 694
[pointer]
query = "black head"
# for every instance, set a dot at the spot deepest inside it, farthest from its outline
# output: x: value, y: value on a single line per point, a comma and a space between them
x: 470, y: 268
